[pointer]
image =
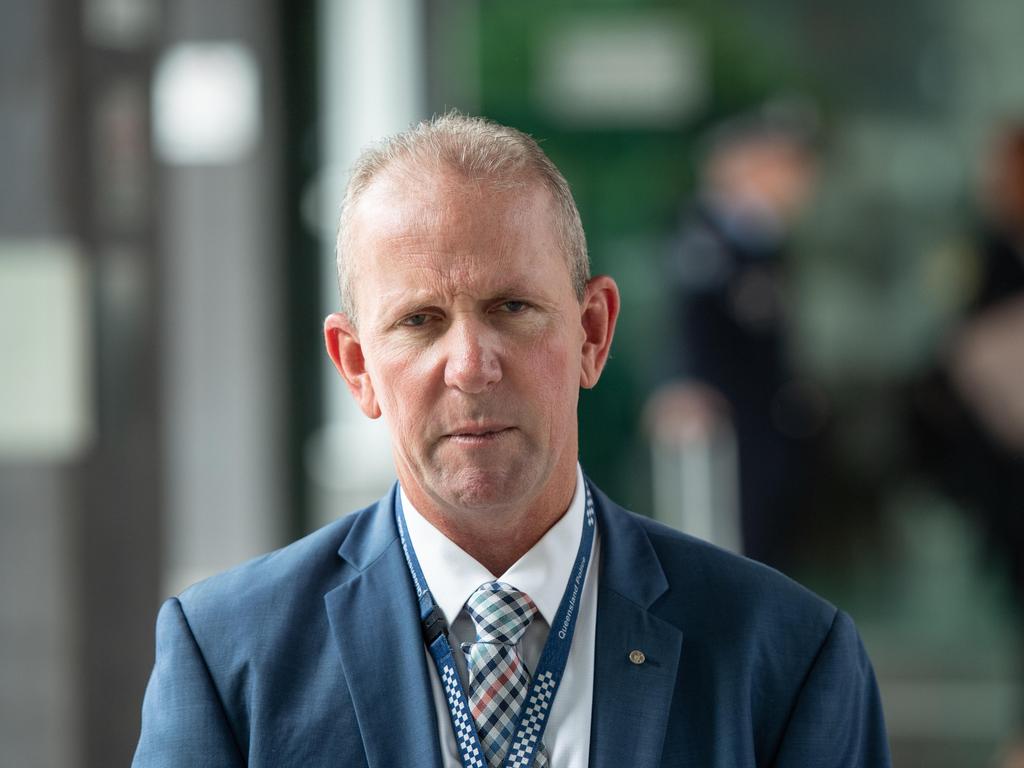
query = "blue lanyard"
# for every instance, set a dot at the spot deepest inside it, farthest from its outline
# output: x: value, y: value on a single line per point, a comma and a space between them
x: 533, y: 718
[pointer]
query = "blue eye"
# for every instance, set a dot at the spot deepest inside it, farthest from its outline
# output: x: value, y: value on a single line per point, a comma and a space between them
x: 415, y: 321
x: 514, y: 306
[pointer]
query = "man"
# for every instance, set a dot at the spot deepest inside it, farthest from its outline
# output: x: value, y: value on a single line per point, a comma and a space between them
x: 407, y: 634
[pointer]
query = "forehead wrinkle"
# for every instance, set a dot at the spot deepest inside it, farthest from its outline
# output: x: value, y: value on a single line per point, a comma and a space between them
x: 452, y: 277
x: 444, y: 252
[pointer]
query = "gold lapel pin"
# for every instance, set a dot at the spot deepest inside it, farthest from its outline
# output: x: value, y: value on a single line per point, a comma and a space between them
x: 637, y: 657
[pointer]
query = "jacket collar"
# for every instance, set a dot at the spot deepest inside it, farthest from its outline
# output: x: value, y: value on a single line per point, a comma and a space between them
x: 372, y: 533
x: 629, y: 565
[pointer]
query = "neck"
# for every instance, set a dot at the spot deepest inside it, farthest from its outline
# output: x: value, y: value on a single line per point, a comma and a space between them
x: 496, y: 538
x: 499, y: 549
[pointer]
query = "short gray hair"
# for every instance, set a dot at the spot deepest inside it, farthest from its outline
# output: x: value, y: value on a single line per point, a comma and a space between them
x: 481, y: 150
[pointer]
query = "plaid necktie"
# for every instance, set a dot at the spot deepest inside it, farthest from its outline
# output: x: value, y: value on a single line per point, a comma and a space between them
x: 498, y: 678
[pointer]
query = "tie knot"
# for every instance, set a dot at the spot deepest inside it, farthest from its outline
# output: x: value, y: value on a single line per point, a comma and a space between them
x: 501, y: 613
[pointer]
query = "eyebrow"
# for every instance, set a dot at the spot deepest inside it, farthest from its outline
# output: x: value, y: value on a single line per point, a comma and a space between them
x: 400, y: 303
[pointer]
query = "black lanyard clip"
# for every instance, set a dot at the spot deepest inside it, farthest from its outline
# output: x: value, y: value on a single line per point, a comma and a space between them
x: 434, y: 626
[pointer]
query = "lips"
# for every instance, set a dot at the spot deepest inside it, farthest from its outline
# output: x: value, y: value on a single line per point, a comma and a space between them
x: 478, y: 432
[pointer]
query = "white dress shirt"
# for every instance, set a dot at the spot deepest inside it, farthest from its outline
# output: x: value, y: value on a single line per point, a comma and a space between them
x: 542, y: 573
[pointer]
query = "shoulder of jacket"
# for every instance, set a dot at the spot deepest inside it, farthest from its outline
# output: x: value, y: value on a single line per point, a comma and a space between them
x: 698, y: 571
x: 275, y: 575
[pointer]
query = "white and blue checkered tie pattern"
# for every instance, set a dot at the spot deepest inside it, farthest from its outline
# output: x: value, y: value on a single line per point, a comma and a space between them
x: 498, y: 678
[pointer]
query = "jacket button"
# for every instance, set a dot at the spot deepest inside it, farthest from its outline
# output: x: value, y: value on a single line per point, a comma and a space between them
x: 637, y: 657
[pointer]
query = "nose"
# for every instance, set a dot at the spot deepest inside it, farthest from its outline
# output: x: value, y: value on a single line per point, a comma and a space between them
x: 473, y: 362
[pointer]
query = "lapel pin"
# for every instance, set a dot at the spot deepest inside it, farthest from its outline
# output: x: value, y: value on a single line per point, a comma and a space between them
x: 637, y: 657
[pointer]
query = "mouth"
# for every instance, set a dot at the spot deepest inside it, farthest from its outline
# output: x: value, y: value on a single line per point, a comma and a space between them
x: 478, y: 435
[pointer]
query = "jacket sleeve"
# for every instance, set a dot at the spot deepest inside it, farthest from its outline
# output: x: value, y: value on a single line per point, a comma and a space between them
x: 183, y: 719
x: 837, y: 719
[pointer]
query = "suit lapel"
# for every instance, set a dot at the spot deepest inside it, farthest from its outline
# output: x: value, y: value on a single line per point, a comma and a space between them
x: 631, y: 700
x: 375, y: 622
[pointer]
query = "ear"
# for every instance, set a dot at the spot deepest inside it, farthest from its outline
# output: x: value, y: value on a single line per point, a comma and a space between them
x: 599, y: 312
x: 346, y: 352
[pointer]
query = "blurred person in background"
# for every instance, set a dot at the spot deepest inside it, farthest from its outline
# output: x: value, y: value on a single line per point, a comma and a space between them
x: 969, y: 409
x: 729, y: 364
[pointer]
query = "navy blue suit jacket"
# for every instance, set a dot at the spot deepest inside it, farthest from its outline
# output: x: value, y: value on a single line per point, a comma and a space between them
x: 312, y: 656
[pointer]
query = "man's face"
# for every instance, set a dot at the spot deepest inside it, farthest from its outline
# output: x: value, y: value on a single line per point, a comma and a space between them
x: 471, y: 337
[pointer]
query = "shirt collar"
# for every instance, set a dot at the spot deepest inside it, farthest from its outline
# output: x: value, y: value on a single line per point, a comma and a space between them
x: 542, y: 573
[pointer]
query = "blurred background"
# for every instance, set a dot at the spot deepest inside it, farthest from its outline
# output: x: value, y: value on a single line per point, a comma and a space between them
x: 815, y: 212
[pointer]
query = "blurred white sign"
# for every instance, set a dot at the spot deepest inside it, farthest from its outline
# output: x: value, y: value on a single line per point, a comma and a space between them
x: 647, y: 70
x: 46, y: 351
x: 206, y: 103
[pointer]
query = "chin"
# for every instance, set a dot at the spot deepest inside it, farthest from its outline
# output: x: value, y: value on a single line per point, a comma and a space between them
x: 480, y: 488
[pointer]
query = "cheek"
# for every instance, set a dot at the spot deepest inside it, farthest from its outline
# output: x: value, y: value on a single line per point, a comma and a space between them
x: 390, y: 380
x: 398, y: 384
x: 554, y: 369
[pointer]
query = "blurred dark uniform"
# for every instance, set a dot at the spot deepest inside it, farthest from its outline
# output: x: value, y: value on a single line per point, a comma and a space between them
x: 727, y: 300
